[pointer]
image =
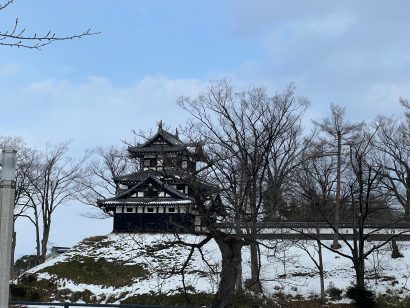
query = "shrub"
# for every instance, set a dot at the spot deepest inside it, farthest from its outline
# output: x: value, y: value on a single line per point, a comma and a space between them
x: 361, y: 296
x: 335, y: 294
x: 393, y: 299
x: 28, y: 278
x: 251, y: 300
x: 18, y: 291
x: 25, y: 263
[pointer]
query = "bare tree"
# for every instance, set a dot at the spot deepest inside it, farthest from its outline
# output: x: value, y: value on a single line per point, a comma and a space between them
x: 314, y: 251
x: 52, y: 182
x: 238, y: 131
x: 16, y: 36
x: 315, y: 179
x: 24, y: 161
x: 366, y: 201
x: 343, y: 133
x: 107, y: 164
x: 406, y: 104
x: 286, y: 154
x: 393, y: 143
x: 313, y: 183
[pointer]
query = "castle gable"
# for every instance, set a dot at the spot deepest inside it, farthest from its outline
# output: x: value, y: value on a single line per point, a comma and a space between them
x: 151, y: 188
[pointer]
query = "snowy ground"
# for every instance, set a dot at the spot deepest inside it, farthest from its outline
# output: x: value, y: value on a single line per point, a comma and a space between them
x: 286, y: 267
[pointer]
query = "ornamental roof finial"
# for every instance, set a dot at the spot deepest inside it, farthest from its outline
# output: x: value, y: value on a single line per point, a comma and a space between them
x: 160, y: 125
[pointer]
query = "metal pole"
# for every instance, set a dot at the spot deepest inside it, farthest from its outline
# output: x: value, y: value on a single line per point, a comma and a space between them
x: 7, y: 191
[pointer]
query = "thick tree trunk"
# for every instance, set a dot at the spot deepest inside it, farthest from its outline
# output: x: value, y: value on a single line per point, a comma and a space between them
x: 230, y: 247
x: 44, y: 242
x: 254, y: 264
x: 395, y: 250
x: 37, y: 231
x: 321, y: 271
x: 358, y: 261
x: 239, y: 282
x: 359, y: 269
x: 255, y: 284
x: 273, y: 200
x: 357, y: 254
x: 407, y: 209
x: 38, y: 244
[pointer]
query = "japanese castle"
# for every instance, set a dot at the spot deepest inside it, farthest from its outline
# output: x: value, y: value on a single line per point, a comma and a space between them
x: 157, y: 197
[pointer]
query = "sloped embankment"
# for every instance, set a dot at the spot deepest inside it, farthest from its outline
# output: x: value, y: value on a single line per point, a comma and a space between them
x: 120, y: 268
x: 145, y: 269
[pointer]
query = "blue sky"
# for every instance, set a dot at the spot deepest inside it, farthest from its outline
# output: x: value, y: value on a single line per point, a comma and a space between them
x: 95, y: 90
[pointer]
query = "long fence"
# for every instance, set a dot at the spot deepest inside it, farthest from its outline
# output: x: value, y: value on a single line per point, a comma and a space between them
x: 303, y: 224
x: 312, y: 230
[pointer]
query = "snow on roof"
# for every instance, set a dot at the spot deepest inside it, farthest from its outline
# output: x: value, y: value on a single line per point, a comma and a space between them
x: 136, y: 202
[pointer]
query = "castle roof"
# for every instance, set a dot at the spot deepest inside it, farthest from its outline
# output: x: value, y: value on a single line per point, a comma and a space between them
x: 162, y: 141
x: 174, y: 196
x: 140, y: 175
x: 145, y: 202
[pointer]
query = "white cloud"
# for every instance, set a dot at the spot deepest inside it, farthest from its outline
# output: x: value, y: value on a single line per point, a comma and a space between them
x: 332, y: 25
x: 353, y: 53
x: 9, y: 69
x: 93, y: 113
x: 96, y: 112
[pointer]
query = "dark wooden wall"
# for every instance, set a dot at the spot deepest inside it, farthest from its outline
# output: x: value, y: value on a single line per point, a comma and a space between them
x: 156, y: 222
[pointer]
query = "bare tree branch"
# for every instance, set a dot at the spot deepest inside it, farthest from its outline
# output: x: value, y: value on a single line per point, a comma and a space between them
x: 17, y: 37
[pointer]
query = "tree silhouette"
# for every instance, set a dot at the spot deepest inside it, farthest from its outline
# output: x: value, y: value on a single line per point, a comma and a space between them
x: 16, y: 36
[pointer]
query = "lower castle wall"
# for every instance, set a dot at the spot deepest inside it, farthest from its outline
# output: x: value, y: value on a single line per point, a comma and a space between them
x: 158, y: 222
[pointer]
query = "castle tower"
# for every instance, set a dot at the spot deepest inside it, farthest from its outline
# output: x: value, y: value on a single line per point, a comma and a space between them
x: 158, y: 196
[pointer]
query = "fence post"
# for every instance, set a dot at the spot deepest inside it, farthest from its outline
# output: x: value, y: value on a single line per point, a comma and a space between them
x: 7, y: 191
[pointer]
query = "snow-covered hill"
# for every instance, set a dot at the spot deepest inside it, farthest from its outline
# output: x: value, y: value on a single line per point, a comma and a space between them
x: 123, y: 268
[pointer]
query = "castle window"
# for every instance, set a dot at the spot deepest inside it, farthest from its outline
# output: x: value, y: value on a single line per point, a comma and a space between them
x: 150, y: 162
x: 129, y: 209
x: 150, y: 210
x: 169, y: 162
x: 171, y: 210
x: 140, y: 194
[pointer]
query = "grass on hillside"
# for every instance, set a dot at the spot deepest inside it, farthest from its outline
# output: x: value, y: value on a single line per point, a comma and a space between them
x: 31, y: 289
x: 82, y: 269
